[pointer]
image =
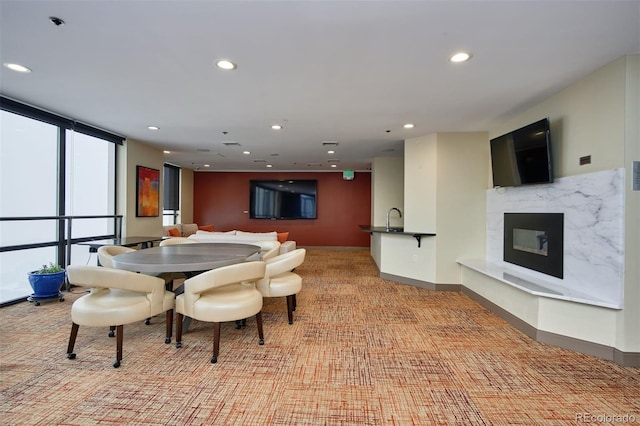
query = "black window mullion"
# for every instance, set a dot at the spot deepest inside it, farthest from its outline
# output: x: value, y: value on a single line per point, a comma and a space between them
x: 62, y: 167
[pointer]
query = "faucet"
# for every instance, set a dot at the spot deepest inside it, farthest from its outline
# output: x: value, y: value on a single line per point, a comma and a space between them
x: 389, y: 214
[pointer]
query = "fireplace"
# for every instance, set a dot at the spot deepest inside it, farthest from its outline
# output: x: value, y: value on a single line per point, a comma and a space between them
x: 535, y: 241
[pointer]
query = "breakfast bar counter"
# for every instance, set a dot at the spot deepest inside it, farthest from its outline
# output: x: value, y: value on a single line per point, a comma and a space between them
x: 395, y: 230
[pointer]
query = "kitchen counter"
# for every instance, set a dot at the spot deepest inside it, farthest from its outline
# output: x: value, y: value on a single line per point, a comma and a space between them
x: 395, y: 230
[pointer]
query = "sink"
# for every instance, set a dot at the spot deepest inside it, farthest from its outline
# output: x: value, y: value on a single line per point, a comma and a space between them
x: 390, y: 229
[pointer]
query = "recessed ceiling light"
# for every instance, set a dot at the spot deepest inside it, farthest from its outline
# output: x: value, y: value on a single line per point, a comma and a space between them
x: 246, y: 152
x: 269, y: 165
x: 409, y: 126
x: 334, y: 165
x: 460, y: 57
x: 276, y: 127
x: 226, y: 64
x: 167, y: 152
x: 18, y: 68
x: 153, y: 127
x: 207, y: 165
x: 331, y: 151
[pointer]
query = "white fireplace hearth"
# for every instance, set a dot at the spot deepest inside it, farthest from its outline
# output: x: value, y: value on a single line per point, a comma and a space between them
x: 593, y: 250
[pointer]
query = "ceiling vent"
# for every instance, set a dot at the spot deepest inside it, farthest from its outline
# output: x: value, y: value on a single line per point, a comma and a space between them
x: 259, y: 161
x: 330, y: 143
x: 314, y: 164
x: 333, y: 161
x: 230, y: 143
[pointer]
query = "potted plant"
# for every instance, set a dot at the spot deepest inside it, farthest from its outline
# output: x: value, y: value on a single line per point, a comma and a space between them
x: 46, y: 283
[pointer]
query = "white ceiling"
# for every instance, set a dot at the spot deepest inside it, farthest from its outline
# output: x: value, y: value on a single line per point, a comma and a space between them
x: 347, y: 71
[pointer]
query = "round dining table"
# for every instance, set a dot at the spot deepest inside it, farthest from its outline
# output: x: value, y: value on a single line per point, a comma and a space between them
x: 188, y: 258
x: 184, y: 257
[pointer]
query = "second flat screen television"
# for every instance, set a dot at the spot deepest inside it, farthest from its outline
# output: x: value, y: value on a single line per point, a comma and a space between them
x: 282, y: 199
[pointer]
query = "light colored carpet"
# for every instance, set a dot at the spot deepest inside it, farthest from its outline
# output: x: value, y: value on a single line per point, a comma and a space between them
x: 361, y: 351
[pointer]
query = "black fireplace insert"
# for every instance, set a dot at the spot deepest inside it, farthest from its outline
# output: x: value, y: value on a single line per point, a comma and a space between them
x: 535, y: 241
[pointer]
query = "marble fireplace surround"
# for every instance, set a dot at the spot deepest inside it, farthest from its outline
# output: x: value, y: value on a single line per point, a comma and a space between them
x: 593, y: 208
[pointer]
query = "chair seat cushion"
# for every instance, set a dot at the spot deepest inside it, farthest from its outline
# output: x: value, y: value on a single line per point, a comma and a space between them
x: 285, y: 284
x: 228, y: 303
x: 107, y: 307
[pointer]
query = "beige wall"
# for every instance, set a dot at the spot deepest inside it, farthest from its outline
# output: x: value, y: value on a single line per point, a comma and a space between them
x: 440, y: 197
x: 586, y: 118
x: 420, y: 180
x: 131, y: 154
x: 186, y: 196
x: 596, y: 116
x: 628, y: 335
x: 387, y: 183
x: 463, y: 164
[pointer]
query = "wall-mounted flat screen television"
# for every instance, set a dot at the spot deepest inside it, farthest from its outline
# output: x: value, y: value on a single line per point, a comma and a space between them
x: 283, y: 199
x: 523, y: 157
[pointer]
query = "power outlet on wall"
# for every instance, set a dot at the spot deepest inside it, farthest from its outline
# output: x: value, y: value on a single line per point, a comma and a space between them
x: 585, y: 160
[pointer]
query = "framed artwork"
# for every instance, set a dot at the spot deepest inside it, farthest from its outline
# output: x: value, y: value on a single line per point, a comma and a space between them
x: 148, y: 192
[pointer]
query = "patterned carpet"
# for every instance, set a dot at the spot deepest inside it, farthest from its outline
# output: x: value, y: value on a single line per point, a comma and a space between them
x: 362, y: 351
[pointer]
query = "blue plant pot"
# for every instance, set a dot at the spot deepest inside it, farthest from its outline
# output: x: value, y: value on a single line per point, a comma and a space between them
x: 46, y: 285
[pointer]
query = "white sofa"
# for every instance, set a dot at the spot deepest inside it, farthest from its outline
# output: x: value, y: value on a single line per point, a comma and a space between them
x: 240, y: 237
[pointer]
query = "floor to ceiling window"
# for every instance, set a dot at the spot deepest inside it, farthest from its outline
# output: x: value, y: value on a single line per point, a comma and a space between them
x: 50, y: 168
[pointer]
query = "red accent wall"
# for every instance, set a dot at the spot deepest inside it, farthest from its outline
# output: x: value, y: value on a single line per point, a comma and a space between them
x: 222, y: 198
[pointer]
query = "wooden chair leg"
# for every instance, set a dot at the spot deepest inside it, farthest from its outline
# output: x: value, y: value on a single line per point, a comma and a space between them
x: 179, y: 318
x: 169, y: 326
x: 216, y: 342
x: 295, y: 302
x: 119, y: 332
x: 290, y: 308
x: 168, y: 285
x: 259, y: 323
x: 72, y: 340
x: 112, y: 331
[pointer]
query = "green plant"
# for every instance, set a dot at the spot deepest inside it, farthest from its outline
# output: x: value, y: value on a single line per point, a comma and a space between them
x: 51, y: 269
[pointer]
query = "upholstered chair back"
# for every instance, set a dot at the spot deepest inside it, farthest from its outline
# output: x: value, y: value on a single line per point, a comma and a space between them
x: 105, y: 253
x: 177, y: 240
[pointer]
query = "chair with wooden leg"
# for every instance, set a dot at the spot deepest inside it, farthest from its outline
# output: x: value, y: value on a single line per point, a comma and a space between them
x: 219, y: 296
x: 280, y: 280
x: 116, y: 298
x: 106, y: 253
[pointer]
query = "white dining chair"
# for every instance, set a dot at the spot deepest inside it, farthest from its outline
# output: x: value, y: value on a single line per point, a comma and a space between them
x: 280, y: 281
x: 116, y: 298
x: 218, y: 296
